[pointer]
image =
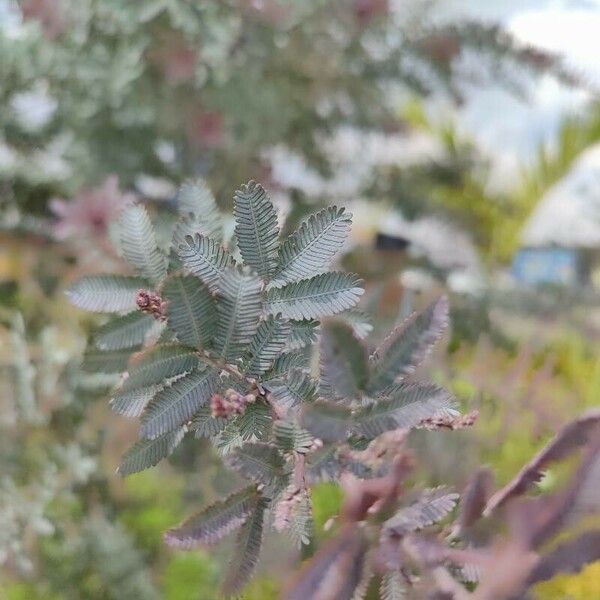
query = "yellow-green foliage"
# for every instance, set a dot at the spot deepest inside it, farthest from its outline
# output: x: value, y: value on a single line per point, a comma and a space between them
x: 190, y: 576
x: 584, y: 586
x: 155, y: 505
x: 327, y: 500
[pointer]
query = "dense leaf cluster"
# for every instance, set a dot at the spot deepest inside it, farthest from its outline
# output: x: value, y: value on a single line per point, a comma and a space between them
x: 226, y: 353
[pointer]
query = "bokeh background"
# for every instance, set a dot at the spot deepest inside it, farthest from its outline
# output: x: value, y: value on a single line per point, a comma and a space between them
x: 463, y: 135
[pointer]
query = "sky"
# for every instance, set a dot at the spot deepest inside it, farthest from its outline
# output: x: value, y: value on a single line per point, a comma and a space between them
x: 511, y: 130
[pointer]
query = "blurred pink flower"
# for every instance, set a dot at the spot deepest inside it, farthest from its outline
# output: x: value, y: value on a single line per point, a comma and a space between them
x: 91, y: 211
x: 49, y: 13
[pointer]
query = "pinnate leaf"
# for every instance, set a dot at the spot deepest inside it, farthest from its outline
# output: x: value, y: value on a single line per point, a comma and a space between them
x: 148, y: 453
x: 258, y: 461
x: 322, y: 295
x: 266, y: 345
x: 191, y: 310
x: 175, y: 405
x: 106, y: 293
x: 159, y: 363
x: 138, y: 243
x: 246, y: 551
x: 206, y: 258
x: 124, y: 332
x: 432, y: 506
x: 408, y: 345
x: 310, y: 249
x: 406, y: 406
x: 256, y: 228
x: 213, y: 523
x: 238, y: 307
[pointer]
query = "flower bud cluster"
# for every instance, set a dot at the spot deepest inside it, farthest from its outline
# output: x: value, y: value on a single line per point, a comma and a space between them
x: 230, y: 403
x: 151, y: 303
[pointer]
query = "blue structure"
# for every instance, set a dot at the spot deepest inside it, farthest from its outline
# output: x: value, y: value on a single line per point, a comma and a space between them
x: 548, y: 265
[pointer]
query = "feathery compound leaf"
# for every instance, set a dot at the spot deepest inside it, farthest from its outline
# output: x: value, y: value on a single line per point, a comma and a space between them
x: 261, y: 462
x: 191, y: 310
x: 111, y: 361
x: 246, y: 551
x: 238, y: 308
x: 408, y: 345
x: 283, y: 364
x: 293, y: 390
x: 138, y: 243
x: 205, y: 425
x: 407, y: 405
x: 433, y: 506
x: 160, y: 363
x: 266, y: 345
x: 344, y: 362
x: 322, y: 295
x: 256, y: 228
x: 206, y: 258
x: 301, y: 526
x: 196, y: 200
x: 303, y: 333
x: 392, y: 586
x: 148, y: 453
x: 106, y: 293
x: 132, y: 403
x: 124, y: 332
x: 310, y: 249
x: 253, y: 425
x: 290, y: 437
x: 330, y: 422
x: 214, y: 522
x: 175, y: 405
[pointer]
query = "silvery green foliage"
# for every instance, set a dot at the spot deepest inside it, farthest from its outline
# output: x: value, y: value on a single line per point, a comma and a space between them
x: 228, y: 357
x: 28, y: 490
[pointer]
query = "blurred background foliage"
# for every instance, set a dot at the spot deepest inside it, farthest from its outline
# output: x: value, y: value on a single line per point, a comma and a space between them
x: 323, y: 102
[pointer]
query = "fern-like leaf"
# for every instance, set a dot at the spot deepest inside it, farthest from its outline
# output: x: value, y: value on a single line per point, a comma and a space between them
x: 290, y: 437
x: 238, y: 307
x: 205, y: 425
x: 301, y: 526
x: 124, y: 332
x: 321, y: 296
x: 175, y: 405
x: 408, y: 345
x: 148, y: 453
x: 110, y: 361
x: 247, y: 549
x: 292, y: 390
x: 191, y: 310
x: 392, y: 586
x: 266, y: 345
x: 206, y: 258
x: 138, y: 243
x: 283, y: 364
x: 302, y: 334
x: 106, y: 293
x: 330, y: 422
x: 258, y: 461
x: 256, y: 228
x: 160, y: 363
x: 213, y: 523
x: 310, y: 249
x: 344, y: 363
x: 196, y: 203
x: 432, y: 506
x: 132, y: 403
x: 407, y: 405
